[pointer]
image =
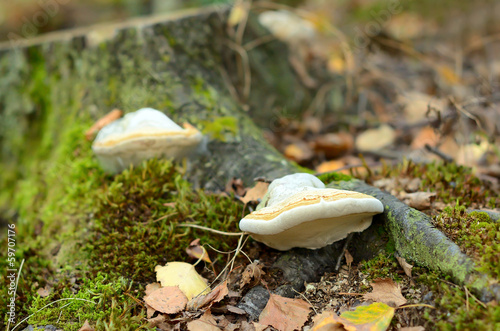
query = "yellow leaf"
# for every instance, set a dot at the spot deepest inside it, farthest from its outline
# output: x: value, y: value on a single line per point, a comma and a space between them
x: 238, y: 13
x: 448, y: 75
x: 375, y: 317
x: 183, y: 275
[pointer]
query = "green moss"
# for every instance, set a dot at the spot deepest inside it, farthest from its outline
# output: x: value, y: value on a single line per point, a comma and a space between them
x: 384, y: 265
x: 130, y: 233
x: 100, y: 300
x: 450, y: 181
x: 476, y: 234
x: 329, y: 177
x: 454, y: 308
x: 222, y: 128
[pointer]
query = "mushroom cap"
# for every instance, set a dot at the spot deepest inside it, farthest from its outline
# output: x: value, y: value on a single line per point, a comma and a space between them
x: 284, y: 187
x: 141, y: 135
x: 312, y: 218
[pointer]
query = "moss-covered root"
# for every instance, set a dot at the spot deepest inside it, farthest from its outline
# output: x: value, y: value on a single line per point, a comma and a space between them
x: 417, y: 240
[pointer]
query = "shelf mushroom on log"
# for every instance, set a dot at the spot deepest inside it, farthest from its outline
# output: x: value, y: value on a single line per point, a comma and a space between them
x: 300, y: 212
x: 142, y: 135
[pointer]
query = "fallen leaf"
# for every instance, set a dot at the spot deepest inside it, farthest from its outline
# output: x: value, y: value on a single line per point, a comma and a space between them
x: 170, y: 204
x: 419, y: 200
x: 235, y: 310
x: 332, y: 165
x: 333, y: 145
x: 44, y: 291
x: 405, y: 265
x: 255, y: 193
x: 252, y: 271
x: 426, y: 136
x: 236, y: 186
x: 299, y: 152
x: 412, y: 328
x: 259, y: 327
x: 86, y: 327
x: 375, y: 139
x: 153, y: 322
x: 168, y: 300
x: 416, y: 105
x: 327, y: 321
x: 348, y: 258
x: 448, y: 75
x: 375, y: 317
x: 183, y: 275
x: 238, y: 13
x: 150, y: 288
x: 102, y: 122
x: 386, y: 291
x: 216, y: 295
x: 195, y: 250
x: 205, y: 323
x: 284, y: 313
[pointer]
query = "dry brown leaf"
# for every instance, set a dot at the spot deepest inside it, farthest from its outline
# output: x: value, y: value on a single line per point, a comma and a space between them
x: 299, y: 152
x: 416, y: 105
x: 327, y: 321
x: 154, y: 322
x: 333, y: 145
x: 168, y: 300
x: 236, y: 186
x: 170, y: 204
x: 386, y: 291
x: 216, y: 295
x: 419, y: 200
x: 348, y: 258
x: 255, y: 193
x: 44, y: 291
x: 405, y: 265
x: 86, y: 327
x: 150, y: 288
x: 259, y: 327
x: 102, y: 122
x: 426, y: 136
x: 284, y: 313
x: 254, y: 272
x: 412, y: 328
x: 332, y: 165
x: 205, y: 323
x: 195, y: 250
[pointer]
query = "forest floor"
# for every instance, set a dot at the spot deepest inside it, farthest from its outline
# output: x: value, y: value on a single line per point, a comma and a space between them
x: 415, y: 93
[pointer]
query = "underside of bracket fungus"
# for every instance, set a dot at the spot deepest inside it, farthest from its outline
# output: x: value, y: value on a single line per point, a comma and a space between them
x: 300, y: 212
x: 141, y: 135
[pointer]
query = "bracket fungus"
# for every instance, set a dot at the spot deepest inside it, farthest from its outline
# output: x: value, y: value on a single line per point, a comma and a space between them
x: 141, y: 135
x: 298, y: 211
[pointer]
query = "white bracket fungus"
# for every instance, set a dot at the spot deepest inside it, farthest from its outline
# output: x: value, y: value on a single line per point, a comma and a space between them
x: 141, y: 135
x: 300, y: 212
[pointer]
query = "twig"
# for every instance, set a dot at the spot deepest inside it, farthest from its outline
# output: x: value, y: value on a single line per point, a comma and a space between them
x: 184, y: 225
x: 347, y: 242
x: 439, y: 153
x: 247, y: 79
x: 416, y: 305
x: 160, y: 219
x: 305, y: 298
